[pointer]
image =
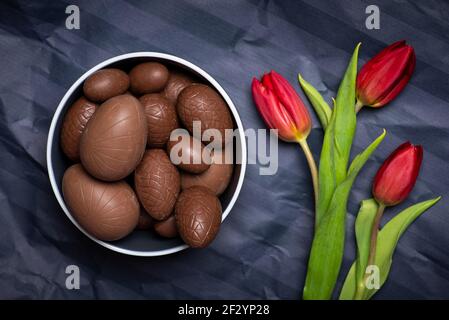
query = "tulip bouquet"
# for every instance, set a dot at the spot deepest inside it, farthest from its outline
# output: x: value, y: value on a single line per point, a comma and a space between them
x: 379, y: 81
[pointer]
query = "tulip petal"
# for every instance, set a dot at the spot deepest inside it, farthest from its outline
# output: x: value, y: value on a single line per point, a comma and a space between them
x: 266, y: 81
x: 292, y: 103
x: 386, y: 74
x: 397, y: 176
x: 383, y: 100
x: 261, y: 100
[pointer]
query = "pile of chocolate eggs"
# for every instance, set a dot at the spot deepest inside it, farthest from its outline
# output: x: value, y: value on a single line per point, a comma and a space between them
x: 122, y: 177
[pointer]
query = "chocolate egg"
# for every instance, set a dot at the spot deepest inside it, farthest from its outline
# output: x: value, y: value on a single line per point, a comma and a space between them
x: 157, y: 183
x: 114, y: 140
x: 105, y: 84
x: 107, y: 211
x: 198, y: 216
x: 176, y: 83
x: 216, y: 178
x: 74, y: 123
x: 167, y: 228
x: 148, y: 77
x: 199, y: 102
x: 145, y: 221
x: 161, y: 119
x: 189, y: 154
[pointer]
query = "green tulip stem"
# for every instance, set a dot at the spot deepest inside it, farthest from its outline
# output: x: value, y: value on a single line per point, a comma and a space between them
x: 358, y: 106
x: 372, y: 251
x: 312, y: 167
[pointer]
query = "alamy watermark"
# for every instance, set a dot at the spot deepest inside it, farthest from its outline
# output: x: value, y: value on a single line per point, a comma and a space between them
x: 214, y: 140
x: 73, y: 20
x: 72, y: 281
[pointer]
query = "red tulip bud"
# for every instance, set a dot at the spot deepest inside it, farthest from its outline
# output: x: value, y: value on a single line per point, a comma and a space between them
x: 397, y: 175
x: 281, y: 107
x: 383, y: 77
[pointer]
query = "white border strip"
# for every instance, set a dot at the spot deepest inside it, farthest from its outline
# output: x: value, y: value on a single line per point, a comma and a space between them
x: 103, y: 64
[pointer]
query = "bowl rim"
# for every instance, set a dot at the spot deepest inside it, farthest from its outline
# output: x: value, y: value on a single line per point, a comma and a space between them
x: 68, y: 94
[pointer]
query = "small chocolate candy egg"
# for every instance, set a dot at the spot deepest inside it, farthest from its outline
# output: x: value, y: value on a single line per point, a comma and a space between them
x: 105, y: 84
x: 107, y: 211
x: 176, y: 83
x: 148, y: 77
x: 74, y: 123
x: 157, y: 183
x: 199, y: 102
x: 161, y: 119
x: 198, y: 216
x: 145, y: 221
x: 216, y: 178
x: 167, y: 228
x: 189, y: 154
x: 114, y: 140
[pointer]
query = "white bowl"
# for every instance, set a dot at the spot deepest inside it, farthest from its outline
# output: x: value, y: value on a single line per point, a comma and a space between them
x: 140, y: 243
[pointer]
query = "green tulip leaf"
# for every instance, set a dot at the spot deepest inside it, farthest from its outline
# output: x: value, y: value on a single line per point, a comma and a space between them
x: 387, y: 241
x: 337, y: 140
x: 363, y: 225
x: 328, y: 243
x: 322, y: 109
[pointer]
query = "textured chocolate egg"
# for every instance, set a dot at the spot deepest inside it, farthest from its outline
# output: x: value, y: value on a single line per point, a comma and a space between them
x: 74, y: 123
x: 176, y: 83
x: 199, y: 102
x: 145, y: 220
x: 198, y: 216
x: 161, y: 119
x: 107, y: 210
x: 148, y: 77
x: 114, y: 140
x: 167, y: 228
x: 190, y: 153
x: 216, y: 178
x: 157, y: 183
x: 105, y: 84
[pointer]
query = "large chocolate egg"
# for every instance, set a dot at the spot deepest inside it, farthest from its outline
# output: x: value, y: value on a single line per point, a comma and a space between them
x: 157, y: 183
x: 189, y: 154
x: 198, y: 216
x: 167, y: 228
x: 105, y: 84
x: 161, y: 119
x: 75, y: 121
x: 148, y: 77
x: 114, y: 140
x: 199, y: 102
x: 216, y: 178
x: 176, y: 83
x: 107, y: 211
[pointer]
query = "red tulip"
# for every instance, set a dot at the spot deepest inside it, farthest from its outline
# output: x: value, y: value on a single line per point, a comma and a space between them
x: 397, y: 175
x: 383, y: 77
x: 281, y: 107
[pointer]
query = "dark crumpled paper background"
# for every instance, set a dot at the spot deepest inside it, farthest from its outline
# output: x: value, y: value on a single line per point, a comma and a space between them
x: 262, y: 248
